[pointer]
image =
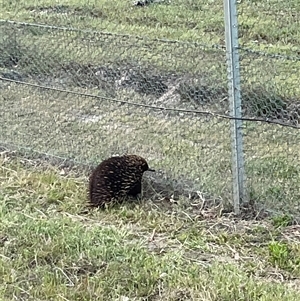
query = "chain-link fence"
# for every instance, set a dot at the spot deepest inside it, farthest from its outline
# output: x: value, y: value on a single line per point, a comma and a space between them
x: 269, y: 36
x: 87, y: 80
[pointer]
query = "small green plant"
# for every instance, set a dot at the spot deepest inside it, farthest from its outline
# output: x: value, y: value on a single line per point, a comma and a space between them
x: 282, y: 220
x: 279, y: 254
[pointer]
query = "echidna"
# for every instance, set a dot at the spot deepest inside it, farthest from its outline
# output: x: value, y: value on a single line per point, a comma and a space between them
x: 116, y: 178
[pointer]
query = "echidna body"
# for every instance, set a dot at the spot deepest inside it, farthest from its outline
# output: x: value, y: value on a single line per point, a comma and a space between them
x: 116, y: 178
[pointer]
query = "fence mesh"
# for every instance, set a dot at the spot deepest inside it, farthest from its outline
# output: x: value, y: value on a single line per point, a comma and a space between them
x: 270, y: 70
x: 87, y: 80
x: 89, y: 95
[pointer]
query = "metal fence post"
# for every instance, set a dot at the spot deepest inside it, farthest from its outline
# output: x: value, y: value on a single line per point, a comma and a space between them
x: 231, y: 37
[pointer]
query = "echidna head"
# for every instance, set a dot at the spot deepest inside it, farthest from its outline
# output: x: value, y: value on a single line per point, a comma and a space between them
x: 144, y: 166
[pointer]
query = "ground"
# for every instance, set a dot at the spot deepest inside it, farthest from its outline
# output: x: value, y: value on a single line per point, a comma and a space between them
x: 53, y: 248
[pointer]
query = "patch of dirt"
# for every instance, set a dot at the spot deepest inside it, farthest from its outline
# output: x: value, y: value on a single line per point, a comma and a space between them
x: 259, y: 102
x: 84, y: 267
x: 201, y: 91
x: 68, y: 10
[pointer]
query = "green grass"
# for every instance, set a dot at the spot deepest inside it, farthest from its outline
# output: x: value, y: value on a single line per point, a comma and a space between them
x: 267, y: 26
x: 192, y: 150
x: 156, y: 250
x: 63, y: 126
x: 50, y: 249
x: 269, y: 23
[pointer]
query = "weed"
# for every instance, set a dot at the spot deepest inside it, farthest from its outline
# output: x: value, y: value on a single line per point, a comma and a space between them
x: 279, y: 253
x: 282, y: 220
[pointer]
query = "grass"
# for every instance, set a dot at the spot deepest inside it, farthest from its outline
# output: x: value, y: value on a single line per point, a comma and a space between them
x: 262, y: 23
x: 66, y: 128
x: 51, y: 248
x: 157, y: 250
x: 262, y: 27
x: 192, y: 152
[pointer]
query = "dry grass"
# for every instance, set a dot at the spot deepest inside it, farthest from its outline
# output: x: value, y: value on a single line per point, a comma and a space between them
x: 159, y: 249
x: 51, y: 248
x: 192, y: 151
